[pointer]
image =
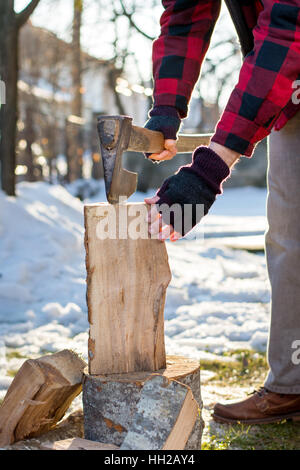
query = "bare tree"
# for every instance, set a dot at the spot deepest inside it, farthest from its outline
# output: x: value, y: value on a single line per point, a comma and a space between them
x: 40, y: 125
x: 10, y: 25
x: 74, y: 130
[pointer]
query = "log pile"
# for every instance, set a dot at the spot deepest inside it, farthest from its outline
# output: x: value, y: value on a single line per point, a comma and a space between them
x: 134, y: 396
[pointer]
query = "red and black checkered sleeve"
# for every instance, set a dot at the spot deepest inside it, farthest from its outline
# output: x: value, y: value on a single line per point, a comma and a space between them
x: 265, y: 85
x: 186, y: 29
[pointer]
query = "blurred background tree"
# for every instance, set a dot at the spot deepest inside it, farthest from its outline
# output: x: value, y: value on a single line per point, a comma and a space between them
x: 10, y: 26
x: 74, y: 150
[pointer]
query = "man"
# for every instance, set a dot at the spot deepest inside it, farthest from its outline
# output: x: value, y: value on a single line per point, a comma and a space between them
x: 262, y: 103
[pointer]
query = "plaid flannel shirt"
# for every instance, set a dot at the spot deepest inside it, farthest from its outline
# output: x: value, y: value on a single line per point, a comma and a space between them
x: 261, y: 99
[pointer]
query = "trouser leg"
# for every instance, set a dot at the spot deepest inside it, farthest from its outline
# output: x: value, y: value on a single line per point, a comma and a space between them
x: 283, y: 258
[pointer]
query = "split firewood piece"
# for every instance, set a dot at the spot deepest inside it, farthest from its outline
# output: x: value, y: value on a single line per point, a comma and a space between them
x: 77, y: 444
x: 165, y: 417
x: 127, y: 277
x: 40, y: 395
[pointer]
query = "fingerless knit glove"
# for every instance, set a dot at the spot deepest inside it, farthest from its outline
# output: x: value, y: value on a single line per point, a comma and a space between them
x: 164, y: 119
x: 194, y: 188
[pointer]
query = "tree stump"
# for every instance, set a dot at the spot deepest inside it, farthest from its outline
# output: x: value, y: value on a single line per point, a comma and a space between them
x: 165, y: 418
x: 127, y: 277
x: 110, y: 401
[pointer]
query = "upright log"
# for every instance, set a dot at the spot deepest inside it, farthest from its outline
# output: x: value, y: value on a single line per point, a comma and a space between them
x: 127, y: 277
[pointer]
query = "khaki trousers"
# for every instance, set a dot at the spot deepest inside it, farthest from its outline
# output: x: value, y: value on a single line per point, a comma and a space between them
x: 283, y: 258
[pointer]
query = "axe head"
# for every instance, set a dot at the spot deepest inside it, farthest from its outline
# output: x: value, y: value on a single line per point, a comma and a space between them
x: 114, y: 133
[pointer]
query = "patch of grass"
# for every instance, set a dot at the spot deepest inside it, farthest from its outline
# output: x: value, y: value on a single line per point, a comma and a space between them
x: 215, y: 443
x: 14, y: 355
x: 244, y: 367
x: 11, y: 372
x: 278, y: 436
x: 46, y: 352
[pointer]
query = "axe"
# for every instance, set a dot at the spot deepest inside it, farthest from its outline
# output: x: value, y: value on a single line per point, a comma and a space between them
x: 117, y: 135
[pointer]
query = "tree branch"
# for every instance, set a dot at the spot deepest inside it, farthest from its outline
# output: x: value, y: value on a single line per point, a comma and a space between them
x: 24, y: 15
x: 132, y: 23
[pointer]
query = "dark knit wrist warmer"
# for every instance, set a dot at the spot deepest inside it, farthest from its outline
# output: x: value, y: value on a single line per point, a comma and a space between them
x: 210, y: 167
x: 194, y: 189
x: 164, y: 119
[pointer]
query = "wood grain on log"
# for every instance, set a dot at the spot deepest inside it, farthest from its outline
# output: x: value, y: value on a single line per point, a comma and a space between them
x: 127, y: 277
x: 39, y: 396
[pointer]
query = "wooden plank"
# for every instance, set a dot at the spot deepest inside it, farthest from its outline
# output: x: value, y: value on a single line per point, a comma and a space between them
x: 127, y: 277
x: 77, y: 444
x: 39, y: 396
x: 165, y: 417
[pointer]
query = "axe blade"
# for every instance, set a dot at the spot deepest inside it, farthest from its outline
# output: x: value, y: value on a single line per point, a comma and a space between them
x: 114, y: 133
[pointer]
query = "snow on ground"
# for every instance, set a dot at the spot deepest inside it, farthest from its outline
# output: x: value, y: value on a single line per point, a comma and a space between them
x: 217, y: 300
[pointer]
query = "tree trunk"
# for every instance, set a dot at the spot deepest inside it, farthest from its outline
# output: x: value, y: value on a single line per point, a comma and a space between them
x: 75, y: 131
x: 8, y: 111
x: 30, y: 139
x: 112, y: 76
x: 97, y: 168
x: 10, y: 24
x: 76, y: 59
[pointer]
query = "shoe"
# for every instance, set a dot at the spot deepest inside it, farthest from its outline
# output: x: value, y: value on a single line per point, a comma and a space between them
x: 262, y: 407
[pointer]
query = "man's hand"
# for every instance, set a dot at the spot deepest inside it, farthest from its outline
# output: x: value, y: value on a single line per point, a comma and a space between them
x: 157, y: 228
x: 169, y: 152
x: 166, y: 120
x: 187, y: 196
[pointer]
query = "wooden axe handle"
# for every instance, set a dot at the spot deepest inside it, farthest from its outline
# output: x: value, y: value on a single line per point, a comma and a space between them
x: 144, y: 140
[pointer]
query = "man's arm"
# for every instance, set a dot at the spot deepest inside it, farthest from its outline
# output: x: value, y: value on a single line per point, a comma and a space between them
x: 264, y: 89
x: 178, y: 53
x: 266, y: 79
